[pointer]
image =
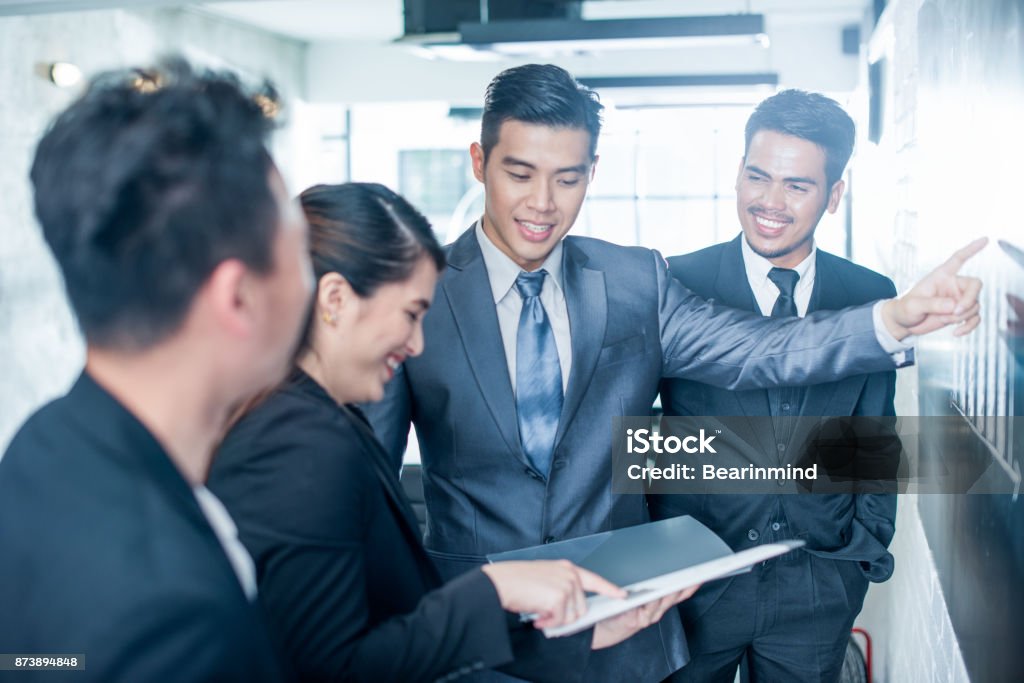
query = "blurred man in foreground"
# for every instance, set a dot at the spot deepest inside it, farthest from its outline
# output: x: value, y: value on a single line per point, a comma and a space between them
x: 187, y: 268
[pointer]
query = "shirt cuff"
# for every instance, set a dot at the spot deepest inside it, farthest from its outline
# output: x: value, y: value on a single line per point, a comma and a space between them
x: 902, y: 352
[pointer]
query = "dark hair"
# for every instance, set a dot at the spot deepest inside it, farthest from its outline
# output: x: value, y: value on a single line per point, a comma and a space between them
x: 541, y: 94
x: 812, y: 117
x: 143, y: 185
x: 366, y: 233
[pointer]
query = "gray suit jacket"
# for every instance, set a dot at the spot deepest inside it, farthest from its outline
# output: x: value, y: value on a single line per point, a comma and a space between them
x: 631, y: 325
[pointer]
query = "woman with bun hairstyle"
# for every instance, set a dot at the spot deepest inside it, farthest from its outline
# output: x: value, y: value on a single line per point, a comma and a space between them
x: 349, y: 591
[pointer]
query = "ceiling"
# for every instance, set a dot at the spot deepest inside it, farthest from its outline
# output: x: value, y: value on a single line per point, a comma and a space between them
x: 319, y: 20
x: 804, y: 46
x: 381, y: 20
x: 315, y: 21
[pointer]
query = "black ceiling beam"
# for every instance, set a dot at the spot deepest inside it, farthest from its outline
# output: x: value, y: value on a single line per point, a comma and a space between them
x: 610, y: 29
x: 688, y: 80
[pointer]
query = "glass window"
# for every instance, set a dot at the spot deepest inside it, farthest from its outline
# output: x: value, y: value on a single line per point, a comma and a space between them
x: 676, y: 226
x: 613, y: 220
x: 665, y: 178
x: 433, y: 180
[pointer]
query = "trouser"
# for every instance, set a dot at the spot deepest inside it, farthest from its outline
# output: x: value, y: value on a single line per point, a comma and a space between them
x: 790, y: 617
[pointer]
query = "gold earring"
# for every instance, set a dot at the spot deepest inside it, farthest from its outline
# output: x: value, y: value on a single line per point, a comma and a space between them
x: 328, y: 318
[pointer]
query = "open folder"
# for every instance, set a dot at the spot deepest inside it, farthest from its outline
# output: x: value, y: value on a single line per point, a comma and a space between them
x: 650, y: 561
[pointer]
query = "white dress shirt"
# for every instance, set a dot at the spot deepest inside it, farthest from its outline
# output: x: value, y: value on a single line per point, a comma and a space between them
x: 502, y: 273
x: 766, y: 292
x: 227, y: 533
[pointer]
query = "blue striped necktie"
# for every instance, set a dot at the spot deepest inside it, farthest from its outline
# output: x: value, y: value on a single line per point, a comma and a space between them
x: 538, y: 375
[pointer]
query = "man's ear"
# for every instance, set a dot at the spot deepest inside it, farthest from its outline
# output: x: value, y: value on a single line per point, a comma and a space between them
x: 230, y: 296
x: 476, y: 153
x: 739, y: 172
x: 834, y: 195
x: 593, y: 167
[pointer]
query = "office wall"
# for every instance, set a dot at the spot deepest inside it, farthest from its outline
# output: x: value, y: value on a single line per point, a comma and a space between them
x: 41, y: 351
x: 950, y: 82
x: 970, y: 105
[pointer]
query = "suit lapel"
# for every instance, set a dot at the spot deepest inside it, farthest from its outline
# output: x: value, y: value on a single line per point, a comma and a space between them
x: 733, y: 289
x: 392, y: 487
x: 468, y: 291
x: 388, y: 480
x: 731, y: 286
x: 587, y: 303
x: 121, y: 437
x: 830, y: 294
x: 125, y: 439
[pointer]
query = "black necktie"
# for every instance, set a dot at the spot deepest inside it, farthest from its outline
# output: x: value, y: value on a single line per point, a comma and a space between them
x: 785, y: 279
x: 784, y: 402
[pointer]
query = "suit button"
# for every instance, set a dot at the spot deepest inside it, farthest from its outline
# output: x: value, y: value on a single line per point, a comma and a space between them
x: 776, y: 526
x: 785, y: 406
x: 549, y: 539
x: 753, y: 535
x: 780, y: 482
x: 781, y: 447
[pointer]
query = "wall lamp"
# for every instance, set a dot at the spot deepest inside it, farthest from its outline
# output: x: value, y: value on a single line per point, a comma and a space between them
x: 63, y: 74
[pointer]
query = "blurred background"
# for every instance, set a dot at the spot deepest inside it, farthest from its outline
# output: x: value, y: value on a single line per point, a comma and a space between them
x: 390, y: 91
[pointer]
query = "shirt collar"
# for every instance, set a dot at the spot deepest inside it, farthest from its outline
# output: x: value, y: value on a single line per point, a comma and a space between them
x: 503, y: 271
x: 758, y: 266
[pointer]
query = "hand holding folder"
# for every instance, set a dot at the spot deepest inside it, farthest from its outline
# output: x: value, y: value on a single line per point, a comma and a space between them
x: 651, y: 561
x: 554, y: 588
x: 614, y: 630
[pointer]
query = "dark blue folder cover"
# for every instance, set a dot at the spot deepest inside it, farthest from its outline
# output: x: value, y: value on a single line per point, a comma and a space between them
x: 637, y: 553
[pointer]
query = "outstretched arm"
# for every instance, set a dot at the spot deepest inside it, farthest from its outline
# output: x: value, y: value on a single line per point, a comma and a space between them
x: 714, y: 344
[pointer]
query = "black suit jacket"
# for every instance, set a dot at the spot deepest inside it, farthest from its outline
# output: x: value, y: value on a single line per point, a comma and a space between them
x: 849, y: 527
x: 106, y: 552
x: 347, y: 585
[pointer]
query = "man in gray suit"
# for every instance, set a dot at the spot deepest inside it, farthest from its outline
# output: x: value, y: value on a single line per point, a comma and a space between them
x: 536, y: 341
